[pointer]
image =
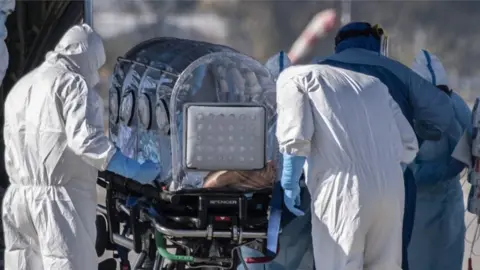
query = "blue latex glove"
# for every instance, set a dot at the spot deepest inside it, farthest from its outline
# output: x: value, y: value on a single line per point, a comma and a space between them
x: 130, y: 168
x: 149, y: 171
x: 292, y: 170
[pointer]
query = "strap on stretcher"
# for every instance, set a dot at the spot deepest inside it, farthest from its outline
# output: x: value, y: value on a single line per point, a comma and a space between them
x: 276, y: 203
x: 274, y: 220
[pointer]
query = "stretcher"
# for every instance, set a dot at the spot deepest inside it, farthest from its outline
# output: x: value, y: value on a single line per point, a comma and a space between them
x: 207, y: 114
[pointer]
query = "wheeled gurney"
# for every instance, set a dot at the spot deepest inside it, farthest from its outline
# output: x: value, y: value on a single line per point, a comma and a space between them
x: 206, y: 113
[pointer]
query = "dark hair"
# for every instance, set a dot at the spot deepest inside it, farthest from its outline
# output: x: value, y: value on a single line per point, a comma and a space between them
x: 369, y: 30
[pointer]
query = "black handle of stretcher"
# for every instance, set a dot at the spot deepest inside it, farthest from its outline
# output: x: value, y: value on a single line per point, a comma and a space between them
x: 131, y: 186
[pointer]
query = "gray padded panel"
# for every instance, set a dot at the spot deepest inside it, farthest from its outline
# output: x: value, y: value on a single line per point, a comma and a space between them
x: 224, y: 137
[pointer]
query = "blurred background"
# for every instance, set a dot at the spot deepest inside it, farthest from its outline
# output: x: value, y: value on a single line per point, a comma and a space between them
x: 262, y: 28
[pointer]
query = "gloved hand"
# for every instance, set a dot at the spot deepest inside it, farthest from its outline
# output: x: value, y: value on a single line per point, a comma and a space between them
x: 147, y: 173
x: 291, y: 199
x: 292, y: 170
x: 130, y: 168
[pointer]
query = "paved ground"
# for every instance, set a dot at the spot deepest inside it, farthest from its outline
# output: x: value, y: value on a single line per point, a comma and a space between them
x: 468, y: 218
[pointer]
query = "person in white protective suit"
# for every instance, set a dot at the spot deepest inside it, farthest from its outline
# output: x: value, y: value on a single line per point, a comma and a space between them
x: 55, y: 145
x: 6, y: 7
x: 438, y: 236
x: 353, y: 138
x: 295, y: 241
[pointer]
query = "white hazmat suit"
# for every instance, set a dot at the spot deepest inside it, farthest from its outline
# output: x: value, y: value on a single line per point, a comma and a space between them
x: 6, y: 7
x: 354, y: 137
x: 55, y: 145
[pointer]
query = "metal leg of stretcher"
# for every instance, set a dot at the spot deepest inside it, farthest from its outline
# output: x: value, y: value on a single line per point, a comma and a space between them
x: 140, y: 260
x: 158, y: 262
x: 145, y: 260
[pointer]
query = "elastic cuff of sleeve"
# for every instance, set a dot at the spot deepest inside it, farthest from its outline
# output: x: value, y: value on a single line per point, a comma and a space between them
x: 109, y: 157
x: 298, y: 148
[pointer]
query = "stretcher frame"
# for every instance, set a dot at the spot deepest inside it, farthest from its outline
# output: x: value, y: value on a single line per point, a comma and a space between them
x: 146, y: 212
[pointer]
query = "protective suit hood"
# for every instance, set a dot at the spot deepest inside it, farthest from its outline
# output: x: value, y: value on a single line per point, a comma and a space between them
x: 83, y: 51
x: 277, y: 63
x: 430, y: 68
x: 362, y: 42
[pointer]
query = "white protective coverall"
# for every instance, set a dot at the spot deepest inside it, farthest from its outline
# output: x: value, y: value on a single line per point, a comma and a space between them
x: 438, y: 236
x: 6, y: 7
x: 55, y: 145
x: 430, y: 68
x: 354, y: 137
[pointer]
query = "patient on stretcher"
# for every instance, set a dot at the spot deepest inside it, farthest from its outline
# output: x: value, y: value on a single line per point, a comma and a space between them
x: 207, y: 114
x: 240, y: 180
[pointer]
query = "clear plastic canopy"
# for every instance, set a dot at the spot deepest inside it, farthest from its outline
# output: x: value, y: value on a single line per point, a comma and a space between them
x: 153, y: 82
x: 225, y: 77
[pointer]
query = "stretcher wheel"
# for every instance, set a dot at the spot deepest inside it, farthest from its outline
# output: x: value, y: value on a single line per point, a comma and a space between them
x: 102, y: 240
x: 108, y: 264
